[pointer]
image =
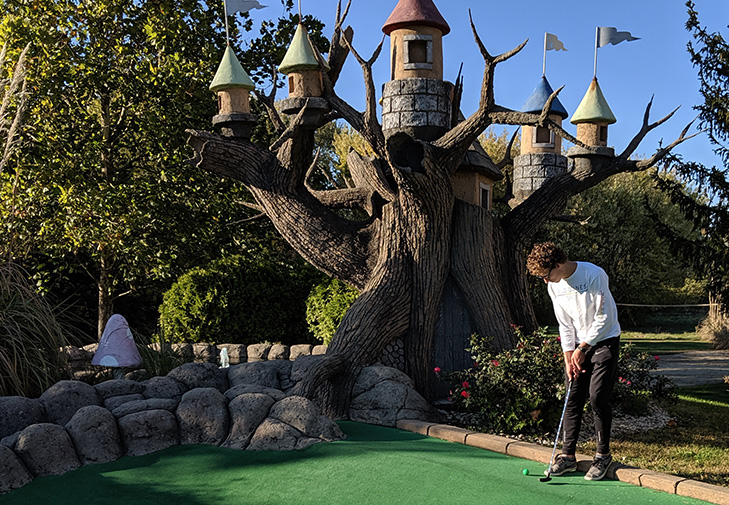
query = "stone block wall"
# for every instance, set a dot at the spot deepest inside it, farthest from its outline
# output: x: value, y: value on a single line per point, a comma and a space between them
x: 79, y: 359
x: 418, y: 106
x: 533, y: 169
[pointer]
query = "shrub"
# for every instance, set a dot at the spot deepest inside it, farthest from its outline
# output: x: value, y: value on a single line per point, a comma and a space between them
x: 715, y: 329
x: 158, y: 358
x: 513, y: 391
x: 521, y: 390
x: 327, y: 303
x: 31, y: 336
x: 238, y: 300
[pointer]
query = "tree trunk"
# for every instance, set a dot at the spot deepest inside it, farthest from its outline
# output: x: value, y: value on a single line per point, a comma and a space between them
x: 105, y: 299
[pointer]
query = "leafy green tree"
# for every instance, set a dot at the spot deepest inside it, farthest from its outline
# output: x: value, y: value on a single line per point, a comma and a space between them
x: 709, y: 212
x: 103, y: 187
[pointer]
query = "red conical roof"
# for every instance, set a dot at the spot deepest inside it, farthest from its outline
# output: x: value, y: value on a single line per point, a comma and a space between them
x: 415, y: 12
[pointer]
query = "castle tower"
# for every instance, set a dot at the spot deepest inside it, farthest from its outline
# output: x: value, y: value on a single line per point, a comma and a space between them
x: 540, y: 139
x: 232, y: 85
x: 473, y: 182
x: 301, y: 65
x: 416, y: 101
x: 541, y: 150
x: 593, y: 116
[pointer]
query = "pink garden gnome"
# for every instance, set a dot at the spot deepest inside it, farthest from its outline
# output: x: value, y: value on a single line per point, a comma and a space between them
x: 117, y: 348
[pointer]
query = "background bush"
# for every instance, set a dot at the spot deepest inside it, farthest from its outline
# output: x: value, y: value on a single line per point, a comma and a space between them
x: 522, y: 390
x: 327, y: 303
x: 239, y: 300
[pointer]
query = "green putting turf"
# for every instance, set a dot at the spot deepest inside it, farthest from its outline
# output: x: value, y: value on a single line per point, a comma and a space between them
x: 374, y: 465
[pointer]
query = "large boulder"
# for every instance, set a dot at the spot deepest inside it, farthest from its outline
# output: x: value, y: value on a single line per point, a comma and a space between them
x: 203, y: 417
x: 13, y: 473
x: 276, y: 394
x: 383, y: 395
x: 274, y: 435
x: 201, y: 375
x: 116, y: 401
x: 247, y: 411
x: 141, y: 405
x: 118, y: 387
x: 148, y: 431
x: 164, y: 387
x: 302, y: 414
x: 46, y: 449
x: 64, y: 398
x: 95, y: 435
x: 272, y: 374
x: 18, y: 412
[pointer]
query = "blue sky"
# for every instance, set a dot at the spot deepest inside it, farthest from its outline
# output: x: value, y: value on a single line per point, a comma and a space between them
x: 629, y: 73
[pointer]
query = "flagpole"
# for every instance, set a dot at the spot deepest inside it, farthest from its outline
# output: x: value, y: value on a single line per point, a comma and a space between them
x: 544, y: 60
x: 597, y: 31
x: 225, y: 12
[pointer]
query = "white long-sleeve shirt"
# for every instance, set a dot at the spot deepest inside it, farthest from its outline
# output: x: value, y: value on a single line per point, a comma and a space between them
x: 584, y: 307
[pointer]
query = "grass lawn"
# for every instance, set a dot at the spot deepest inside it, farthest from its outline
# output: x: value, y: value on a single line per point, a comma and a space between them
x: 697, y: 447
x: 666, y: 331
x: 665, y: 343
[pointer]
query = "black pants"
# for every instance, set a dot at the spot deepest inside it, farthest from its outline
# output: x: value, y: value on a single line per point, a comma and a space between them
x: 598, y: 380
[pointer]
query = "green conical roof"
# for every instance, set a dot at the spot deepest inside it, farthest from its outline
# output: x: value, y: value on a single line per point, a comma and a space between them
x: 230, y: 74
x: 300, y: 55
x: 593, y: 108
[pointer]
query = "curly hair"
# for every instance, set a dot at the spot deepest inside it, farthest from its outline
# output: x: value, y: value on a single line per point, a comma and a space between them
x: 545, y: 256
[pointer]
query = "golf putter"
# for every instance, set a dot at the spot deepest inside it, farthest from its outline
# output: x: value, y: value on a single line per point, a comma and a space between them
x: 556, y: 439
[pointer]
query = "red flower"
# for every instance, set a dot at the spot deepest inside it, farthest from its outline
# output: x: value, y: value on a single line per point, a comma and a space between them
x: 465, y: 394
x: 475, y: 365
x: 495, y: 363
x: 466, y: 384
x: 656, y: 357
x: 436, y: 369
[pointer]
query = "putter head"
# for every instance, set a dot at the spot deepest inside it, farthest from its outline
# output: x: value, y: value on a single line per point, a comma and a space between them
x: 545, y: 479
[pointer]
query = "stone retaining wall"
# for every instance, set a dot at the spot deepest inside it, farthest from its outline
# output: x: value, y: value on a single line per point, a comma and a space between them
x: 246, y: 406
x: 79, y: 358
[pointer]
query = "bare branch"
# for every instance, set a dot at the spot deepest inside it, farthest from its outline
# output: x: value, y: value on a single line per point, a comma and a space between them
x: 645, y: 129
x: 290, y: 131
x: 507, y: 159
x: 568, y: 218
x: 644, y: 164
x: 350, y: 198
x: 269, y: 100
x: 368, y: 173
x: 338, y: 50
x: 253, y: 206
x: 461, y: 136
x: 501, y: 115
x: 248, y: 219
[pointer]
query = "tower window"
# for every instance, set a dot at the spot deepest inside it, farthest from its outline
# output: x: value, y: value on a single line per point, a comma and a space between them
x: 418, y: 51
x: 603, y: 133
x: 485, y: 195
x: 542, y: 137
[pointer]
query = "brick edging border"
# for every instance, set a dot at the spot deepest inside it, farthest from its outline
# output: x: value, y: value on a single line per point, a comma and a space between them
x: 666, y: 483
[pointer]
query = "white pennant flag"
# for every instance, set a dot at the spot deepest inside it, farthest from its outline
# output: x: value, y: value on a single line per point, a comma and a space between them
x: 610, y: 35
x: 553, y: 43
x: 242, y: 6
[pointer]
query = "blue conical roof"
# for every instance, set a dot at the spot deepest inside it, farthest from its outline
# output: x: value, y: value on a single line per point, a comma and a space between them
x: 540, y: 95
